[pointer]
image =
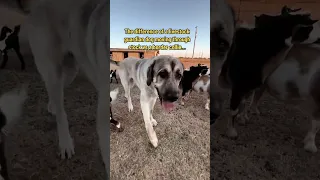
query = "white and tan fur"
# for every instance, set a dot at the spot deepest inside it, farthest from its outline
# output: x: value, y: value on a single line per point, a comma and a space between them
x: 133, y: 71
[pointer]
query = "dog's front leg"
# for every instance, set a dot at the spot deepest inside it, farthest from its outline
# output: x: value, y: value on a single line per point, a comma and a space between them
x: 103, y: 126
x: 152, y: 103
x: 145, y: 102
x: 65, y: 141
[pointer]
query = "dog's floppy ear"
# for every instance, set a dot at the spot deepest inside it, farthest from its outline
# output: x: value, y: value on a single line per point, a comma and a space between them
x: 150, y: 73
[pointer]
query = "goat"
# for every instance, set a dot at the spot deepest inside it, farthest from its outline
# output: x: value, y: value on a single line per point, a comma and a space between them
x: 264, y: 56
x: 12, y: 42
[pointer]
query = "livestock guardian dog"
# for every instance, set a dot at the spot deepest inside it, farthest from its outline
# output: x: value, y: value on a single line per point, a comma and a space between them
x: 156, y: 77
x: 223, y: 25
x: 77, y: 27
x: 11, y: 104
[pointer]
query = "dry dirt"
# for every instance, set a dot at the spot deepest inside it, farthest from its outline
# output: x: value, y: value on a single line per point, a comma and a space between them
x: 32, y: 146
x: 268, y: 147
x: 183, y: 151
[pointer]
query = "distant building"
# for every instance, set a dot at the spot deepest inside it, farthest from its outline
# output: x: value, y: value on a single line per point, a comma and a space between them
x: 119, y: 54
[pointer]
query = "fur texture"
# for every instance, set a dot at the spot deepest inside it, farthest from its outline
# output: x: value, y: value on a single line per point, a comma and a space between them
x: 11, y: 104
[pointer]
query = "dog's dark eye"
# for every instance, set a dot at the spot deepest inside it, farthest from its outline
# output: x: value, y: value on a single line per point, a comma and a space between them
x: 163, y: 74
x: 178, y: 75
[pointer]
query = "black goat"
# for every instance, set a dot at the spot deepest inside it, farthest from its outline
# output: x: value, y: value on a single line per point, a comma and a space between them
x: 11, y: 42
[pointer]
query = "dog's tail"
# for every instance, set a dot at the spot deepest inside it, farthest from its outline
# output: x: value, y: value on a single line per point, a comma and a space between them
x: 11, y: 104
x: 114, y: 94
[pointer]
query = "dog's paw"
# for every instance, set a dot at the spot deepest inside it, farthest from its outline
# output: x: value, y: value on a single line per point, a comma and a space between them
x: 152, y: 136
x: 310, y: 147
x: 154, y: 122
x: 309, y: 144
x: 66, y: 147
x: 51, y: 109
x: 130, y: 107
x: 154, y: 142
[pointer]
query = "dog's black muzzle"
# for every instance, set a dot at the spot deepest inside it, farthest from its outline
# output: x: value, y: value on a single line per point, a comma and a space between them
x: 171, y: 96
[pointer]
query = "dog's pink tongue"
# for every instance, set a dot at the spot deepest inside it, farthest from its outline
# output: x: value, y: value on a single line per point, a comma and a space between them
x: 168, y: 106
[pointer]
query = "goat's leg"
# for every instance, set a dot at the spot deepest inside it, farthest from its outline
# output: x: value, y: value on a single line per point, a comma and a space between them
x: 115, y: 122
x: 309, y: 140
x: 256, y: 98
x: 23, y: 64
x: 236, y: 107
x: 3, y: 161
x: 5, y: 58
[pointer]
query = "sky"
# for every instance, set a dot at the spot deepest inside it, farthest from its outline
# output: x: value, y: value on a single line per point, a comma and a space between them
x: 162, y: 14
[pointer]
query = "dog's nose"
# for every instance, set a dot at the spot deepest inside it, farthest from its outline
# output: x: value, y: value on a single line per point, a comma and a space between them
x: 173, y: 96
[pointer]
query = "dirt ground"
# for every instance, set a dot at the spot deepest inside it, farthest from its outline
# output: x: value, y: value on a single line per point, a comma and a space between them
x: 268, y: 147
x: 32, y: 146
x: 183, y: 151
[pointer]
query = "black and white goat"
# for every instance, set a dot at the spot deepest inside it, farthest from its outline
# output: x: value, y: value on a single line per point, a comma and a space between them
x: 288, y: 67
x: 113, y: 75
x: 189, y: 79
x: 10, y: 40
x: 202, y: 85
x: 113, y: 97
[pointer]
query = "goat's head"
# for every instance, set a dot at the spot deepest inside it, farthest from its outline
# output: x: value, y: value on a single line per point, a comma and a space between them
x: 284, y: 24
x: 5, y: 30
x: 17, y: 28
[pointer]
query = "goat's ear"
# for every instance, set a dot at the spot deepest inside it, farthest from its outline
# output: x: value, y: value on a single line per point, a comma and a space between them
x: 285, y: 11
x: 150, y: 73
x: 295, y: 10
